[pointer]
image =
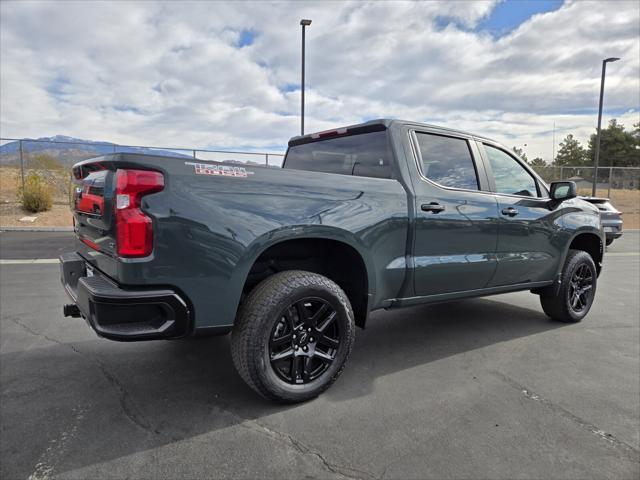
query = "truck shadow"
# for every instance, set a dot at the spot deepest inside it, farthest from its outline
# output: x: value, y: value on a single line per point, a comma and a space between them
x: 166, y: 392
x: 397, y: 340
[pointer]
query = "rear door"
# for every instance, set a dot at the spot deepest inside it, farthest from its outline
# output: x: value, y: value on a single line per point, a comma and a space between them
x: 456, y: 215
x: 526, y: 251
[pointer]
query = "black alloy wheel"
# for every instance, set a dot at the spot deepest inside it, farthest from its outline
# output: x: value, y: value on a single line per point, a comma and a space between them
x: 304, y: 342
x: 580, y: 288
x: 293, y: 335
x: 572, y: 298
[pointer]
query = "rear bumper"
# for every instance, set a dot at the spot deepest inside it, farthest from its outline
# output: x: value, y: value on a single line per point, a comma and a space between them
x: 612, y: 228
x: 122, y: 314
x: 613, y: 236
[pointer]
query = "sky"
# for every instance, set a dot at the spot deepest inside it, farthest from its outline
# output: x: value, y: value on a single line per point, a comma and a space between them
x: 227, y: 74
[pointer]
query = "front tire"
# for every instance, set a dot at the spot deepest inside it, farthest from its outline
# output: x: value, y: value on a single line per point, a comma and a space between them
x: 577, y: 289
x: 293, y: 335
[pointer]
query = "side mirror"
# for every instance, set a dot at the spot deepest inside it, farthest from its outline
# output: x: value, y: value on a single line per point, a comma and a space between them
x: 563, y: 190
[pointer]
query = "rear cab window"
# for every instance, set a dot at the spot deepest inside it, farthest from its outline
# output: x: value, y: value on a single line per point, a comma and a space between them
x: 447, y: 161
x: 365, y: 152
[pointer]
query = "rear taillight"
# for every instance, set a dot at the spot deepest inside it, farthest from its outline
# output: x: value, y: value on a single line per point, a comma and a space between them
x: 134, y: 229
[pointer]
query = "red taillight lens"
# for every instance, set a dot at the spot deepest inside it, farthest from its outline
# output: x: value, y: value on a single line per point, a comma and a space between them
x: 134, y: 229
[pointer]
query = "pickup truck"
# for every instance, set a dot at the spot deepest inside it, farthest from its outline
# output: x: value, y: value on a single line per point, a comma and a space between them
x: 379, y: 215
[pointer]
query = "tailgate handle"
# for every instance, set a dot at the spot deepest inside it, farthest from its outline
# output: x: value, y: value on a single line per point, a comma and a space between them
x: 433, y: 207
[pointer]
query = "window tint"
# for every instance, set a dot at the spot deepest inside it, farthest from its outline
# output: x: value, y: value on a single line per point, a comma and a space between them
x: 447, y: 161
x: 510, y: 176
x: 363, y: 155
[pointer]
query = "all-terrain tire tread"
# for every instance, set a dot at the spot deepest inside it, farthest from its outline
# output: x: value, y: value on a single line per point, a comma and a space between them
x: 555, y: 306
x: 261, y: 300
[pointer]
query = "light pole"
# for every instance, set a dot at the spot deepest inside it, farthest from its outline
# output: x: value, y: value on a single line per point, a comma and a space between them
x: 597, y: 155
x: 304, y: 23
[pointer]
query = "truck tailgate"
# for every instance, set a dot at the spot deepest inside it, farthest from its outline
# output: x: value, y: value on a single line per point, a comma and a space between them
x: 112, y: 218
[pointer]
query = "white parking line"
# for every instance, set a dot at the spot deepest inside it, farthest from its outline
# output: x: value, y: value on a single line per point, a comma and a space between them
x: 30, y: 261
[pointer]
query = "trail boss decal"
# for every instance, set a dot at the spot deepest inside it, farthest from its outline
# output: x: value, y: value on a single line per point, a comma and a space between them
x: 223, y: 170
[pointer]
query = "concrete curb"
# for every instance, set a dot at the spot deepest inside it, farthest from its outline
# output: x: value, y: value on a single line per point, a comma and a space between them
x: 36, y: 229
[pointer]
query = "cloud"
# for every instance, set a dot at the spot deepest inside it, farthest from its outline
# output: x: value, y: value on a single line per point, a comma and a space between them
x: 224, y: 75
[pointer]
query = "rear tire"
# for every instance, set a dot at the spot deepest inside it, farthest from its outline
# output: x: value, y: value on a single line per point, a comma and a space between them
x: 577, y: 289
x: 293, y: 335
x: 609, y: 241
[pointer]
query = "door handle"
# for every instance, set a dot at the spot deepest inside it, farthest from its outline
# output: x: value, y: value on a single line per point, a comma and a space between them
x: 433, y: 207
x: 511, y: 212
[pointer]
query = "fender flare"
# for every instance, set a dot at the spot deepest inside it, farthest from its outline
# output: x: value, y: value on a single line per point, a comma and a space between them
x: 300, y: 232
x: 589, y: 230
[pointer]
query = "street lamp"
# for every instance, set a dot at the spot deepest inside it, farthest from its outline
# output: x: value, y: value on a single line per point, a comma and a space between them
x: 304, y: 23
x: 597, y: 155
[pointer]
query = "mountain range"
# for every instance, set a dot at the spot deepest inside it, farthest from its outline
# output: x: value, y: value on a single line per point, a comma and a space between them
x: 69, y: 150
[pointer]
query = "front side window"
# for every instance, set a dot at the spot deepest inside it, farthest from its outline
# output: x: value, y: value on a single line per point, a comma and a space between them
x: 510, y: 177
x: 362, y: 155
x: 447, y: 161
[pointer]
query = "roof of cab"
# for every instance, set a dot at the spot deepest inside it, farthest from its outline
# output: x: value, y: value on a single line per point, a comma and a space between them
x: 387, y: 122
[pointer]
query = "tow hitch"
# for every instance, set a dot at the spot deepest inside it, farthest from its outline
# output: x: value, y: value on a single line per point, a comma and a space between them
x: 71, y: 310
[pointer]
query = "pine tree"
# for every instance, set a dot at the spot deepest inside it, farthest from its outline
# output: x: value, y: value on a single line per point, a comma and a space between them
x: 538, y: 162
x: 520, y: 153
x: 571, y: 153
x: 618, y: 147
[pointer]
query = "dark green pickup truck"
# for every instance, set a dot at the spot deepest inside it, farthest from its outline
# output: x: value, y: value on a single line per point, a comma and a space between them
x: 383, y: 214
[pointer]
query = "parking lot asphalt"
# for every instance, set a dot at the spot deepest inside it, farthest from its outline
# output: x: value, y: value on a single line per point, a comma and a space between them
x: 32, y: 245
x: 483, y: 388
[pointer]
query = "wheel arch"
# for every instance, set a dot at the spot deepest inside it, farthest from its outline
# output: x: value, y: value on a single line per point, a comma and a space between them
x: 334, y: 253
x: 588, y: 241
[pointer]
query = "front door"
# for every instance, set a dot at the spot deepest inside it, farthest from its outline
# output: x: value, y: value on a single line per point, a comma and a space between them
x: 526, y: 250
x: 456, y: 228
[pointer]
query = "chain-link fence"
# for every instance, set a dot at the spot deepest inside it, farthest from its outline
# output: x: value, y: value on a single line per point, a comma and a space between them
x: 52, y: 159
x: 620, y: 184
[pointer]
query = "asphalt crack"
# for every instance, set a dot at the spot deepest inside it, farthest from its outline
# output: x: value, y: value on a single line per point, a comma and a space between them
x: 126, y: 404
x: 132, y: 413
x: 342, y: 471
x: 621, y: 446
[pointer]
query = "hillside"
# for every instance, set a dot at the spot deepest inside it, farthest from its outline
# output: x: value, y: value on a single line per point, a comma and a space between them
x: 69, y: 150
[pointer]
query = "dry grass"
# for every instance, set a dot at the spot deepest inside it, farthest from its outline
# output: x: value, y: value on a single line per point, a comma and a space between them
x: 11, y: 211
x: 58, y: 216
x: 10, y: 181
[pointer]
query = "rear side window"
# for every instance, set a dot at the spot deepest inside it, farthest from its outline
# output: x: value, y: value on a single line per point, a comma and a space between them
x: 509, y: 175
x: 447, y: 161
x: 363, y: 155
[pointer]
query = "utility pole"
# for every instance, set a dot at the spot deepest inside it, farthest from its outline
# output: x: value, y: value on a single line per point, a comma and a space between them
x: 304, y: 23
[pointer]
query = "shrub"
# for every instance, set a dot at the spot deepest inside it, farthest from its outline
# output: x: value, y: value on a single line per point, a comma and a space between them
x: 44, y: 161
x: 37, y: 195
